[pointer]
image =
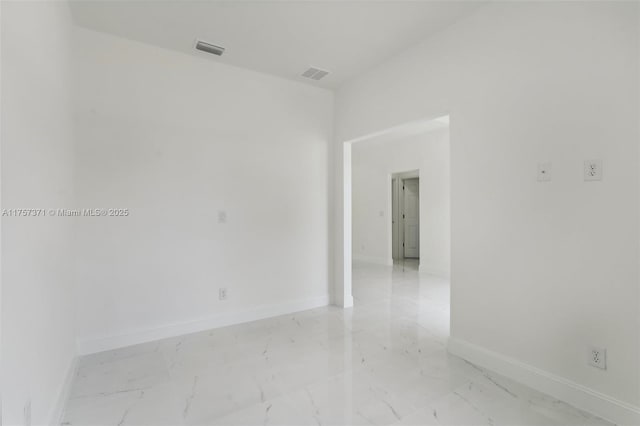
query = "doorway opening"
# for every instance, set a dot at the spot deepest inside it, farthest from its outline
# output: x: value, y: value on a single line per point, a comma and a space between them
x: 397, y: 190
x: 405, y: 215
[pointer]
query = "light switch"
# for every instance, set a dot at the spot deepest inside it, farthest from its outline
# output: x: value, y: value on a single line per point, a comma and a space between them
x: 544, y: 172
x: 592, y: 170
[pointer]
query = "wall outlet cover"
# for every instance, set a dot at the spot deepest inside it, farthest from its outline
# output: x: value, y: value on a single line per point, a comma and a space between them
x: 222, y: 294
x: 597, y: 357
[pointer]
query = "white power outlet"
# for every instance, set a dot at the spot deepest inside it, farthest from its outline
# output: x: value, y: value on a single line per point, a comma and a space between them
x: 597, y: 357
x: 592, y: 170
x: 222, y: 216
x: 222, y: 293
x: 26, y: 413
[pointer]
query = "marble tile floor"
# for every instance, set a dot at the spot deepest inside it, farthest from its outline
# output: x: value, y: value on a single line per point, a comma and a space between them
x: 382, y: 362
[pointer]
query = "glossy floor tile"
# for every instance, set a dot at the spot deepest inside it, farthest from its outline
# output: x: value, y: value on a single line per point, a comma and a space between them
x: 381, y: 363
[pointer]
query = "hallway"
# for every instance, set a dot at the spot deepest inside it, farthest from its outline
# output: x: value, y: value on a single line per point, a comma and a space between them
x: 405, y: 294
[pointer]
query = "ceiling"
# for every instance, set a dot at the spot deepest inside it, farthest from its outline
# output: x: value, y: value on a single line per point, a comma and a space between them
x: 283, y: 38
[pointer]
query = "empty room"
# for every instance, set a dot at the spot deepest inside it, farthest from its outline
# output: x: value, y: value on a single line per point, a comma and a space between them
x: 319, y: 212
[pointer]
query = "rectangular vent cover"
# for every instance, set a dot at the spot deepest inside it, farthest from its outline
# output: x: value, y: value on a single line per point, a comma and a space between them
x: 315, y: 73
x: 209, y: 48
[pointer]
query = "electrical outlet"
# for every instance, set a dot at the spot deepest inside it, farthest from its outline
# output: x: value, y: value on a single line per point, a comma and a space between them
x: 597, y: 357
x: 222, y: 216
x: 592, y: 170
x: 222, y: 293
x: 26, y: 413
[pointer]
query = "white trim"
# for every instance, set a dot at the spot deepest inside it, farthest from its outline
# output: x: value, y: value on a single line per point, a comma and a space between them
x: 55, y: 418
x: 348, y: 302
x: 105, y: 343
x: 582, y: 397
x: 372, y: 259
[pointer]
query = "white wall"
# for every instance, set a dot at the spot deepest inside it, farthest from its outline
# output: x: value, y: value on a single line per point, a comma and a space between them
x: 176, y: 138
x: 539, y: 271
x: 372, y: 164
x: 38, y: 324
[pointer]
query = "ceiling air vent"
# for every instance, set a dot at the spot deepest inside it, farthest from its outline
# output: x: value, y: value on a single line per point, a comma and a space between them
x: 209, y: 48
x: 315, y: 73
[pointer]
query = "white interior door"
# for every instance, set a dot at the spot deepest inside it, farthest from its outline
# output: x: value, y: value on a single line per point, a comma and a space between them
x: 411, y: 218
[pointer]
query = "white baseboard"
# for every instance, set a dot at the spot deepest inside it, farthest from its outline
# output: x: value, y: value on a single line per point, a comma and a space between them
x: 348, y: 302
x: 582, y: 397
x: 55, y: 418
x: 371, y: 259
x: 105, y: 343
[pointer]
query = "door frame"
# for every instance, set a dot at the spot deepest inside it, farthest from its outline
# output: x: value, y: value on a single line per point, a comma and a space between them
x: 397, y: 229
x: 404, y: 219
x: 342, y: 294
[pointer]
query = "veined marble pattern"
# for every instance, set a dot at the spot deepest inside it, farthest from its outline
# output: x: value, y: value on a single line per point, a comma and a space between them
x: 383, y: 362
